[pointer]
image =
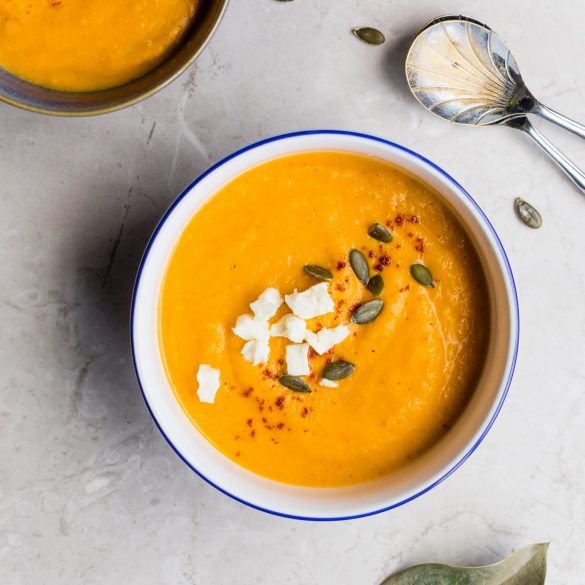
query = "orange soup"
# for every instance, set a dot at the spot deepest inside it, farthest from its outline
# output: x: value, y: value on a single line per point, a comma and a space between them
x: 309, y: 376
x: 84, y: 45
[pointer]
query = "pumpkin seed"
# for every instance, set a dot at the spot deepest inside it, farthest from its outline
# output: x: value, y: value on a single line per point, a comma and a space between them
x: 528, y: 214
x: 369, y: 35
x: 294, y: 383
x: 379, y: 232
x: 318, y: 272
x: 367, y: 312
x: 526, y: 566
x: 376, y: 284
x: 359, y: 265
x: 338, y: 370
x: 422, y: 275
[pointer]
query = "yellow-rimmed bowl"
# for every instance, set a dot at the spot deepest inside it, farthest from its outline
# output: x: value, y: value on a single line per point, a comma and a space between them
x: 23, y: 94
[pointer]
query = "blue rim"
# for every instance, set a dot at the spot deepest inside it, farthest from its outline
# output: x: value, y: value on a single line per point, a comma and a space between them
x: 516, y: 312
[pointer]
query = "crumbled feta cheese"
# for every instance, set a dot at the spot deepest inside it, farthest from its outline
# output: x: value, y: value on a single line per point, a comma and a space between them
x: 248, y: 327
x: 208, y: 379
x: 256, y: 351
x: 325, y: 339
x: 313, y: 302
x: 267, y: 304
x: 291, y: 327
x: 297, y: 359
x: 328, y: 383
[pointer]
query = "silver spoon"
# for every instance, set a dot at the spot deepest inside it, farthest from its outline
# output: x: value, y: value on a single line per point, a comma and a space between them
x: 460, y: 70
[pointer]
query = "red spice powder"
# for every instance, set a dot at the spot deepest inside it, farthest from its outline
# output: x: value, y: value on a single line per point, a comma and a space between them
x: 280, y: 402
x: 252, y: 433
x: 280, y: 426
x: 341, y: 265
x: 249, y: 422
x: 385, y: 260
x: 246, y: 393
x: 304, y: 412
x: 372, y: 254
x: 399, y: 220
x: 414, y: 218
x: 379, y: 267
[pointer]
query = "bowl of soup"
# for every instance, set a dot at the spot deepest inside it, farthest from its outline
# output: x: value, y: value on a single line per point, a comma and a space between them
x: 84, y: 57
x: 324, y: 325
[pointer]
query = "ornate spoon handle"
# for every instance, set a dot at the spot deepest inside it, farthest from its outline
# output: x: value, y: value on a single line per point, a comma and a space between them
x: 574, y: 173
x: 556, y: 118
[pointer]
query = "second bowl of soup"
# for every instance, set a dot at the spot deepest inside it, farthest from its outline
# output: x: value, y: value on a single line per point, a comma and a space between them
x: 324, y: 325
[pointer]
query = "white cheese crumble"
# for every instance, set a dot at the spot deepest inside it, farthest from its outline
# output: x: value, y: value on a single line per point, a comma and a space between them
x: 256, y: 351
x: 313, y: 302
x: 267, y: 304
x: 297, y: 359
x: 328, y: 383
x: 325, y: 339
x: 248, y: 327
x: 291, y: 327
x: 208, y: 379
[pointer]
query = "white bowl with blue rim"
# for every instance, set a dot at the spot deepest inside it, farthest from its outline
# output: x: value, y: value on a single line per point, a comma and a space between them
x: 363, y: 499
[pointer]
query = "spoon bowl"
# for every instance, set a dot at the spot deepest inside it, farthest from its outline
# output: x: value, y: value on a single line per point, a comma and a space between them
x: 460, y: 70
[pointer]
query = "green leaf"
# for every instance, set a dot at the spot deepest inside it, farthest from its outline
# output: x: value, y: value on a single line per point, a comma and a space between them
x: 526, y: 566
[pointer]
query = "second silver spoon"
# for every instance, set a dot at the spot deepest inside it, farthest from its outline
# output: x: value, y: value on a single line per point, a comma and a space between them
x: 460, y: 70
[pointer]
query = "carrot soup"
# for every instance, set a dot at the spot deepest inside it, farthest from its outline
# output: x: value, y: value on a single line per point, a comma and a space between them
x: 323, y: 319
x: 86, y: 45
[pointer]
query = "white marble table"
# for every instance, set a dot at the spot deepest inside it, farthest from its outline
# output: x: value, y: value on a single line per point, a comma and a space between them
x: 90, y: 493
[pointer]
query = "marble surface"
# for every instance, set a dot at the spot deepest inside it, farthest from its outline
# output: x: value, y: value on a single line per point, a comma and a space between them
x: 90, y: 493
